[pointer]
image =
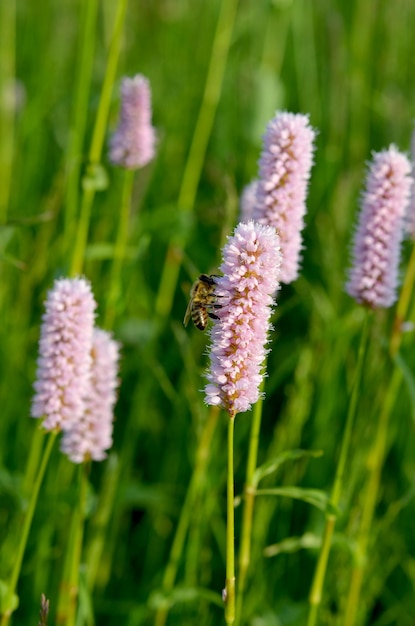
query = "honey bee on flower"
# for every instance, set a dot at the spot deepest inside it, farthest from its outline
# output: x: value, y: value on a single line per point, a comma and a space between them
x: 202, y: 302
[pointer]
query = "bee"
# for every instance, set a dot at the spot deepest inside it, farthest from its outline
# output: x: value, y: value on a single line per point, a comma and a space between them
x: 202, y: 301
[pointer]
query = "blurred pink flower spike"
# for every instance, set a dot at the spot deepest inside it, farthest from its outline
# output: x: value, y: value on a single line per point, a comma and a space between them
x: 64, y: 363
x: 284, y: 172
x: 133, y: 144
x: 410, y: 216
x: 251, y: 269
x: 248, y: 201
x: 373, y: 277
x: 91, y: 436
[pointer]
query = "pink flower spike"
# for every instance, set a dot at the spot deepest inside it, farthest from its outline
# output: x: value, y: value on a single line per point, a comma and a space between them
x: 248, y: 201
x: 373, y: 277
x: 410, y: 217
x: 91, y: 436
x: 251, y: 266
x: 64, y: 363
x: 133, y: 144
x: 284, y: 172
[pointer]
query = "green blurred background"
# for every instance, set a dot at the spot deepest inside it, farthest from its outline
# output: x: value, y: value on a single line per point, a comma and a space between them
x: 350, y: 65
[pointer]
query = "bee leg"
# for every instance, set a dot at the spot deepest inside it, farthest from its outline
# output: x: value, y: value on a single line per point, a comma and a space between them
x: 213, y: 316
x: 208, y: 280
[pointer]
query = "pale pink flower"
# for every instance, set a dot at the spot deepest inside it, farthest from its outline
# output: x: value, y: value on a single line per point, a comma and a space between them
x: 64, y: 363
x: 373, y: 277
x: 410, y: 216
x: 133, y: 144
x: 91, y: 436
x: 284, y: 172
x: 248, y: 201
x: 251, y: 267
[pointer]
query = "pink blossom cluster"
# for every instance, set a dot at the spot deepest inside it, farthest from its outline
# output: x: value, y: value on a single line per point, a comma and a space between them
x: 284, y: 172
x: 133, y: 144
x: 64, y: 362
x: 91, y: 436
x: 251, y: 267
x: 76, y: 372
x: 373, y: 277
x: 410, y: 217
x: 248, y: 201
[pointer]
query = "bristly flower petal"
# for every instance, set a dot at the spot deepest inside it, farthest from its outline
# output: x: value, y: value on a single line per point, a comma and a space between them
x: 373, y: 277
x: 91, y: 436
x: 133, y: 144
x: 251, y: 267
x: 64, y: 363
x: 284, y: 172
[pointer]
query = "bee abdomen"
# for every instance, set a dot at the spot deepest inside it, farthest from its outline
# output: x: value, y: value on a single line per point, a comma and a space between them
x: 200, y: 318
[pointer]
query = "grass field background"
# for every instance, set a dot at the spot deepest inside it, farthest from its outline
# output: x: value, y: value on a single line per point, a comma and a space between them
x: 350, y: 66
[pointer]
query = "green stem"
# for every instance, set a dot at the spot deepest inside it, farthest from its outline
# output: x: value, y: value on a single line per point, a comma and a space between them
x: 248, y: 503
x: 377, y: 453
x: 82, y: 232
x: 67, y: 602
x: 105, y: 100
x: 99, y: 523
x: 119, y: 249
x: 331, y: 517
x: 25, y: 530
x: 7, y: 100
x: 374, y: 463
x: 193, y: 491
x: 403, y: 305
x: 230, y: 532
x: 92, y: 180
x: 195, y: 159
x: 77, y: 133
x: 76, y: 552
x: 33, y: 459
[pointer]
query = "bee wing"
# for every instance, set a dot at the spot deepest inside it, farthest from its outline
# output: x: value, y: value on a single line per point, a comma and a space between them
x: 188, y: 314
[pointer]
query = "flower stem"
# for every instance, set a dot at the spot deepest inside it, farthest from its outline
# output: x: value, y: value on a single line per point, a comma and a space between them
x: 82, y: 232
x: 331, y: 516
x: 119, y: 249
x: 76, y: 137
x: 7, y: 100
x: 230, y: 532
x: 93, y: 178
x: 194, y: 163
x: 25, y: 530
x: 78, y: 535
x: 67, y: 602
x: 374, y: 463
x: 33, y: 459
x: 248, y: 502
x: 100, y: 521
x: 403, y: 305
x: 377, y: 453
x: 194, y: 489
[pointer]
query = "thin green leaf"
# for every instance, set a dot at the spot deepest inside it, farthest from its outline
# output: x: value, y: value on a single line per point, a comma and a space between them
x: 106, y: 250
x: 272, y: 465
x: 181, y: 595
x: 315, y: 497
x: 293, y: 544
